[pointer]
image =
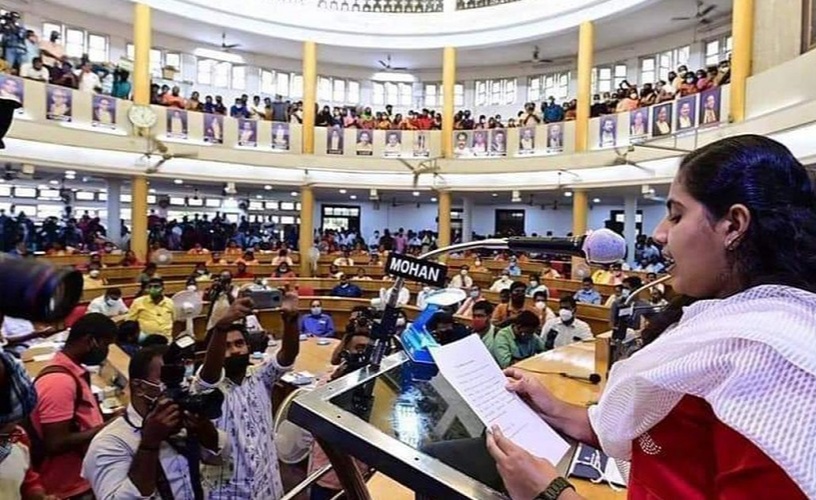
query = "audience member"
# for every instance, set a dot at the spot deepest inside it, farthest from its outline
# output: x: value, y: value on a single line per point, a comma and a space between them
x: 154, y: 312
x: 566, y: 328
x: 504, y: 313
x: 587, y: 294
x: 316, y: 323
x: 518, y: 340
x: 346, y: 289
x: 445, y: 329
x: 109, y: 304
x: 462, y: 280
x: 480, y: 323
x: 127, y: 337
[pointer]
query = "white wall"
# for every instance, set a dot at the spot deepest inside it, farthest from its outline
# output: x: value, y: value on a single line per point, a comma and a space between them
x: 35, y: 13
x: 408, y: 216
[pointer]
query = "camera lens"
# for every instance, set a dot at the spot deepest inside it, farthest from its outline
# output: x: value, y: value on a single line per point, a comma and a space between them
x: 37, y: 291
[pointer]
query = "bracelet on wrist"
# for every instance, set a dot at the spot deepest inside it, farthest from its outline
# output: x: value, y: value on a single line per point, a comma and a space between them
x: 554, y: 489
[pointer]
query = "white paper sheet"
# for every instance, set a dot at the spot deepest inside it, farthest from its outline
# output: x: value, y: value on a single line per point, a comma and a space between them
x: 470, y: 369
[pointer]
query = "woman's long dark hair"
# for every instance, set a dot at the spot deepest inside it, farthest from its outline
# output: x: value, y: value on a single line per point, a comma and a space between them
x: 779, y: 246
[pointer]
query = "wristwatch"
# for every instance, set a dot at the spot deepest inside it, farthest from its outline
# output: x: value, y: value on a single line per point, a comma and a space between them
x: 554, y: 490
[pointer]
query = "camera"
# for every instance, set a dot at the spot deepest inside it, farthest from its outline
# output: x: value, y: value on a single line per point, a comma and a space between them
x: 354, y: 360
x: 206, y: 404
x: 37, y: 291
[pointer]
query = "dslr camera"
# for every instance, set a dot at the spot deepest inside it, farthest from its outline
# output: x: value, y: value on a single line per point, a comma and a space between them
x: 208, y: 403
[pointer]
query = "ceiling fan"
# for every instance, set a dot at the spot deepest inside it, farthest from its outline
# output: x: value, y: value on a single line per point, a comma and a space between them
x: 429, y: 166
x: 386, y: 65
x: 226, y: 47
x: 536, y: 58
x: 700, y: 15
x: 157, y: 148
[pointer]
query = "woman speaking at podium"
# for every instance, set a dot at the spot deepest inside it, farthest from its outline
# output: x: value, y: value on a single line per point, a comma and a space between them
x: 721, y: 401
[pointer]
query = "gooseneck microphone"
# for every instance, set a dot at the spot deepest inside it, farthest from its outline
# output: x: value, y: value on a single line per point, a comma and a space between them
x: 603, y: 246
x: 592, y: 378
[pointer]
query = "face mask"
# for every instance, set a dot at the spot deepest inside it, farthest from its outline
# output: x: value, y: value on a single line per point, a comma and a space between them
x: 235, y: 366
x: 540, y: 305
x: 96, y: 356
x: 565, y: 315
x: 191, y: 288
x: 316, y: 311
x: 474, y: 293
x: 533, y: 284
x: 265, y: 282
x: 110, y: 302
x: 160, y: 387
x: 343, y: 285
x: 505, y: 278
x: 201, y: 271
x: 142, y: 337
x: 625, y: 293
x: 189, y: 371
x: 400, y: 321
x: 156, y: 293
x: 478, y: 324
x: 94, y: 274
x: 463, y: 272
x: 478, y: 263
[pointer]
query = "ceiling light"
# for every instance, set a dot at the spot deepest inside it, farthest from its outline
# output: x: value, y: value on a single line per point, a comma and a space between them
x: 567, y: 193
x: 151, y: 191
x: 415, y: 193
x: 433, y: 200
x: 53, y: 182
x: 495, y: 195
x: 343, y: 191
x: 178, y: 181
x: 258, y: 196
x: 70, y: 172
x: 353, y: 197
x: 596, y: 200
x: 294, y: 193
x: 268, y: 187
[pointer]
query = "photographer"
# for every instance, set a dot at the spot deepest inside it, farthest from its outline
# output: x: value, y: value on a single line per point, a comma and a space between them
x: 142, y: 453
x: 247, y: 409
x: 220, y: 295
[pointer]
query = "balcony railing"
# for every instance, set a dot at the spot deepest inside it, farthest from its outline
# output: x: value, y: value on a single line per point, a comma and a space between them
x: 384, y: 6
x: 478, y: 4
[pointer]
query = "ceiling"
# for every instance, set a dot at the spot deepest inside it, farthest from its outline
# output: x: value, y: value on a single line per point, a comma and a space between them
x: 645, y: 23
x: 53, y: 178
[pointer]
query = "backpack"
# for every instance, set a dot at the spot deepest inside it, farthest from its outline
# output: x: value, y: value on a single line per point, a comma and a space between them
x: 37, y: 448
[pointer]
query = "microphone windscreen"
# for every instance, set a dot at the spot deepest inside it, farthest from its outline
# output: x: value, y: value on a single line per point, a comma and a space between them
x: 594, y: 378
x: 604, y: 246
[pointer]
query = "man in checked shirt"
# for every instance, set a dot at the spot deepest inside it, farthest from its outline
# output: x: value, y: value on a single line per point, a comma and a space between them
x: 253, y: 470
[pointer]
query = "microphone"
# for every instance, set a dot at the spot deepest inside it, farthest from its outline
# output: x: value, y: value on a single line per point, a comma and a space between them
x: 602, y: 246
x: 592, y: 378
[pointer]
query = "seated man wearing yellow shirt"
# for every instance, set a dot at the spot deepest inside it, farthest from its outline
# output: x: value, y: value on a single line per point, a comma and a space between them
x: 153, y: 311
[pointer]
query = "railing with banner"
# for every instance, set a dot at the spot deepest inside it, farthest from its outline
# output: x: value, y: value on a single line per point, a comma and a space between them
x: 478, y: 4
x: 384, y: 6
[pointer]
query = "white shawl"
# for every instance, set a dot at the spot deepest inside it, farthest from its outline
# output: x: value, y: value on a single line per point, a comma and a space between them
x: 751, y: 356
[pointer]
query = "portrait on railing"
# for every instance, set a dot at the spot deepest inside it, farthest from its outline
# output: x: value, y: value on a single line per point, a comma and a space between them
x: 609, y: 131
x: 59, y: 101
x: 214, y: 129
x: 710, y: 107
x: 176, y: 123
x: 479, y: 146
x: 393, y: 144
x: 104, y: 111
x: 383, y: 6
x: 420, y: 144
x: 555, y: 138
x: 638, y: 125
x: 247, y: 133
x: 686, y: 112
x: 498, y: 142
x: 461, y: 145
x: 662, y: 119
x: 280, y: 137
x: 334, y: 141
x: 527, y: 140
x: 478, y: 4
x: 364, y: 147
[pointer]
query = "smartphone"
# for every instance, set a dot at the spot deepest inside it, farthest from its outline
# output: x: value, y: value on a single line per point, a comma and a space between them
x: 266, y: 299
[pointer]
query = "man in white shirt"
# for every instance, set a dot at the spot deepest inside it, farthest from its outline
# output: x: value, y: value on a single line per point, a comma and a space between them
x: 88, y: 80
x: 566, y: 328
x: 35, y: 71
x: 133, y: 457
x: 16, y: 333
x: 247, y: 409
x: 462, y: 280
x: 402, y: 299
x: 503, y: 283
x: 110, y: 304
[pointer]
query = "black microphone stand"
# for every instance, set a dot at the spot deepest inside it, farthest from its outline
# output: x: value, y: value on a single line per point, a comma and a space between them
x: 617, y: 344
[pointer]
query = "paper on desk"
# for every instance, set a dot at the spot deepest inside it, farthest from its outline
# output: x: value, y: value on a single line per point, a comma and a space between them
x: 43, y: 357
x: 471, y: 370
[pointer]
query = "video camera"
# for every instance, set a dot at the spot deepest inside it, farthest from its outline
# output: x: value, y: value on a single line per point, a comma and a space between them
x: 9, y: 22
x: 207, y: 404
x: 37, y: 291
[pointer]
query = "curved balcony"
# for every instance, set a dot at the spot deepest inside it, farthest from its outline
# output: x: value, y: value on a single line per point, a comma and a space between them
x: 422, y: 24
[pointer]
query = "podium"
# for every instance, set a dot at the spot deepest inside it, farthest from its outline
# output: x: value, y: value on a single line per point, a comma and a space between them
x: 398, y: 426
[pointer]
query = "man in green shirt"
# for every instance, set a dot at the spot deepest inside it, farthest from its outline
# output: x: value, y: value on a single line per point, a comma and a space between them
x: 518, y: 341
x: 481, y: 325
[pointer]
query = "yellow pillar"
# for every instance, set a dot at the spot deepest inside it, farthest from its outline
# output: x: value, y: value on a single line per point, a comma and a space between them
x: 309, y: 95
x: 306, y: 229
x: 742, y: 28
x: 448, y: 85
x: 579, y: 212
x: 444, y: 219
x: 138, y: 216
x: 141, y: 96
x: 586, y: 41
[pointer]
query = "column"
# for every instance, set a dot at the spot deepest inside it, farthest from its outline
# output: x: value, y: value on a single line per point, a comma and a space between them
x: 467, y: 219
x: 306, y: 229
x: 630, y: 227
x: 448, y: 84
x: 742, y: 29
x: 114, y: 204
x: 586, y: 41
x: 309, y: 96
x: 777, y: 33
x: 579, y: 212
x: 444, y: 219
x: 138, y: 216
x: 141, y: 97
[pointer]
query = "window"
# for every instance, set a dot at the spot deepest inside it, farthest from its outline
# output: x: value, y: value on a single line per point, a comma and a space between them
x: 282, y: 84
x: 647, y: 70
x: 544, y: 86
x: 158, y: 59
x: 667, y: 61
x: 435, y: 97
x: 339, y: 90
x: 534, y: 88
x: 607, y: 78
x: 296, y: 87
x: 221, y: 74
x: 267, y: 81
x: 331, y: 89
x: 353, y: 92
x: 213, y: 202
x: 399, y: 94
x: 78, y: 42
x: 498, y: 91
x: 718, y: 50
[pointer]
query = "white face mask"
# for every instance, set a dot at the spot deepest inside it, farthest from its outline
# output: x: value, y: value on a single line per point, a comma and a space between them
x: 533, y: 284
x: 110, y: 302
x: 316, y: 311
x: 463, y: 272
x: 474, y: 293
x: 540, y: 305
x: 265, y: 282
x: 505, y: 278
x: 94, y: 274
x: 477, y: 263
x: 192, y: 288
x: 625, y: 293
x: 400, y: 321
x: 565, y: 315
